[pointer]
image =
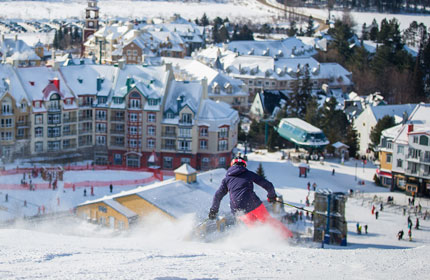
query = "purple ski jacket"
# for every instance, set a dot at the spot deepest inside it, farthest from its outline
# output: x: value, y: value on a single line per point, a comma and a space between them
x: 239, y: 183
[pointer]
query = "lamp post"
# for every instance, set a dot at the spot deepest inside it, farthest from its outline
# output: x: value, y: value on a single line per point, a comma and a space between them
x: 355, y: 171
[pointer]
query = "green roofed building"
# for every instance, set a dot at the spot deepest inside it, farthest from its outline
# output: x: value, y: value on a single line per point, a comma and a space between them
x: 301, y: 133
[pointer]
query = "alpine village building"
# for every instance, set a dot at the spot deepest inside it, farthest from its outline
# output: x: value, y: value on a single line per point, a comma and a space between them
x: 404, y: 154
x: 123, y: 115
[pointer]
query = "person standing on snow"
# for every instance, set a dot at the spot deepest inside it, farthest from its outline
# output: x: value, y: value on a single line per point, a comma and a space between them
x: 244, y: 203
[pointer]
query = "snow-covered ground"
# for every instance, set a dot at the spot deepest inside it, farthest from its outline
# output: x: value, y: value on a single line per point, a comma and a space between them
x: 73, y: 249
x: 235, y: 10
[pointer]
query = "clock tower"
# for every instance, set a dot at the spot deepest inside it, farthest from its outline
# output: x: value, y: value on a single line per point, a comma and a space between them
x: 91, y: 19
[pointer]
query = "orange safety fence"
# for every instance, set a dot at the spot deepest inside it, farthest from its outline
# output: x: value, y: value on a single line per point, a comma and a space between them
x: 37, y: 186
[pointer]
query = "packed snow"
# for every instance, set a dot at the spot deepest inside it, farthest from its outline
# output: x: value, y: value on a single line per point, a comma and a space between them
x: 69, y: 248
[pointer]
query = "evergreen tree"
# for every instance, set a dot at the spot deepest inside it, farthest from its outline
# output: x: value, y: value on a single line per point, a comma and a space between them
x: 374, y: 31
x: 56, y: 43
x: 204, y: 21
x: 351, y: 139
x: 375, y: 133
x: 292, y: 30
x: 341, y: 34
x: 223, y: 34
x: 311, y: 115
x: 310, y: 27
x: 333, y: 122
x: 364, y: 33
x: 260, y: 170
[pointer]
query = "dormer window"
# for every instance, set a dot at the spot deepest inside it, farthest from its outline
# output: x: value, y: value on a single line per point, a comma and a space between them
x: 186, y: 119
x: 216, y: 88
x: 152, y: 102
x: 170, y: 115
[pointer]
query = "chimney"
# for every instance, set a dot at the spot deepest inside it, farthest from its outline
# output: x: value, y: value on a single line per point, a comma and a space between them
x: 179, y: 101
x: 410, y: 128
x: 205, y: 88
x: 56, y: 82
x: 16, y: 37
x: 99, y: 83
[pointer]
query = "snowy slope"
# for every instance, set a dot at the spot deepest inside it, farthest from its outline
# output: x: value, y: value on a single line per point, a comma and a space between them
x: 72, y: 249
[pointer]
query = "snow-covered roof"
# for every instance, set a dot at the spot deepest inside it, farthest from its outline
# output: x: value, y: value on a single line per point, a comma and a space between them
x: 302, y: 124
x: 420, y: 120
x: 185, y: 169
x: 191, y: 93
x: 178, y: 198
x: 120, y: 208
x: 216, y: 113
x: 392, y: 110
x: 9, y: 82
x: 190, y: 69
x: 288, y: 47
x: 35, y: 80
x: 338, y: 145
x: 83, y: 79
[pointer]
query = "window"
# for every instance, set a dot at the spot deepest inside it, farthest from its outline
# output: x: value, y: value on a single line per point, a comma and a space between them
x: 185, y: 160
x: 101, y: 128
x: 389, y: 144
x: 186, y: 118
x: 424, y: 140
x: 170, y: 115
x: 151, y: 130
x: 221, y: 162
x: 203, y: 144
x: 223, y: 133
x: 151, y: 117
x: 54, y: 118
x: 169, y: 144
x: 6, y: 123
x: 205, y: 163
x: 38, y: 131
x: 204, y: 131
x: 133, y: 130
x: 133, y: 117
x: 7, y: 135
x: 152, y: 102
x: 222, y: 145
x: 38, y: 147
x: 54, y: 131
x: 167, y: 162
x: 134, y: 103
x: 400, y: 149
x: 132, y: 143
x: 101, y: 140
x: 415, y: 139
x: 20, y: 133
x: 389, y: 158
x: 151, y: 143
x: 184, y: 145
x: 53, y: 145
x: 399, y: 163
x: 101, y: 115
x: 38, y: 119
x: 185, y: 132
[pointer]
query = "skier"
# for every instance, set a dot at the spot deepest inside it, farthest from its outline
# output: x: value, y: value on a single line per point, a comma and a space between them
x: 381, y: 207
x: 239, y: 183
x: 110, y: 188
x: 376, y: 214
x: 410, y: 234
x: 373, y: 209
x: 365, y: 229
x: 332, y: 172
x: 400, y: 234
x: 314, y: 186
x: 417, y: 224
x: 309, y: 186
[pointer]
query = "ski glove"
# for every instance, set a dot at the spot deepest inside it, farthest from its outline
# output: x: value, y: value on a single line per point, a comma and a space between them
x: 212, y: 214
x: 272, y: 199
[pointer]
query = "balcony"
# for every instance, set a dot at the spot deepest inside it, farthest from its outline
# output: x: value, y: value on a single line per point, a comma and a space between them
x: 169, y: 134
x: 69, y: 120
x: 117, y: 131
x: 54, y: 108
x: 54, y: 135
x: 85, y: 118
x: 185, y: 123
x: 70, y: 132
x: 117, y: 119
x: 23, y: 124
x: 184, y: 150
x: 169, y: 147
x: 85, y: 131
x: 101, y: 118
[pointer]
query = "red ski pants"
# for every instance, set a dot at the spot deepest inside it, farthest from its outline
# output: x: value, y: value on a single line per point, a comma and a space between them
x: 260, y: 214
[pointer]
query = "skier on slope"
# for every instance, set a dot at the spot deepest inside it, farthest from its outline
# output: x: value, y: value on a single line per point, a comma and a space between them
x: 243, y: 201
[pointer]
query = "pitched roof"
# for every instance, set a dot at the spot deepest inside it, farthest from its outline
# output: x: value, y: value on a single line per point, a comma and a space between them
x: 185, y: 169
